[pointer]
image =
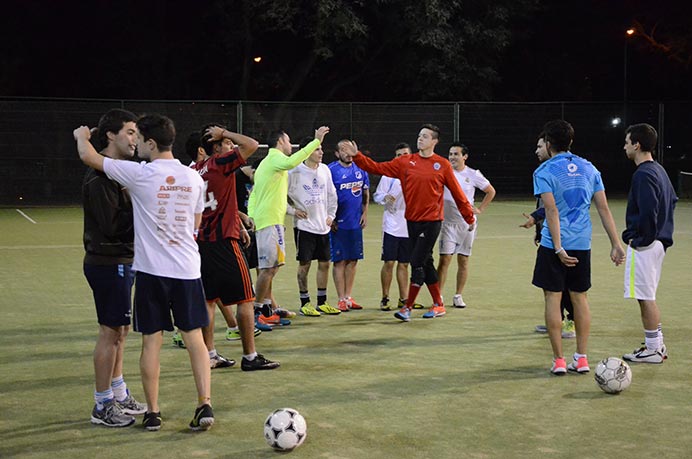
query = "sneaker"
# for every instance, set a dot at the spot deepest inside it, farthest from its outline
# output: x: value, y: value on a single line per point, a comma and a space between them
x: 261, y: 326
x: 219, y: 361
x: 309, y: 311
x: 580, y: 365
x: 328, y: 309
x: 274, y: 319
x: 568, y: 330
x: 401, y: 303
x: 284, y: 322
x: 384, y: 304
x: 132, y: 406
x: 204, y: 418
x: 178, y: 340
x: 559, y: 367
x: 258, y: 363
x: 284, y: 313
x: 352, y: 304
x: 458, y: 302
x: 435, y: 311
x: 342, y: 305
x: 111, y: 415
x: 403, y: 314
x: 418, y: 306
x: 152, y: 421
x: 233, y: 335
x: 541, y: 329
x: 644, y: 355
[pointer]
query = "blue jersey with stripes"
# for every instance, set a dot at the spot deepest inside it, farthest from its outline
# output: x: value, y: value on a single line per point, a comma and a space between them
x: 573, y: 181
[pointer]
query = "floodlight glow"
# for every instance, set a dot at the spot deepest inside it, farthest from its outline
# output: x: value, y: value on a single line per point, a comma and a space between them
x: 258, y: 59
x: 629, y: 31
x: 615, y: 122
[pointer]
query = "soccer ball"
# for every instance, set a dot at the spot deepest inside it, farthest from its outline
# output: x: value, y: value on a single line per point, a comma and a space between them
x: 613, y: 375
x: 285, y: 429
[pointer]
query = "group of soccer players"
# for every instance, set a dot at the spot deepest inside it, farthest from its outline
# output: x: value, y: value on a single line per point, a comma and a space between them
x: 198, y: 231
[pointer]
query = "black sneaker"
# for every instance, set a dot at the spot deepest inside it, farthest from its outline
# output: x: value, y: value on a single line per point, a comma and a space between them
x: 204, y: 418
x: 111, y: 415
x: 258, y: 363
x: 384, y: 304
x: 152, y: 421
x: 219, y: 361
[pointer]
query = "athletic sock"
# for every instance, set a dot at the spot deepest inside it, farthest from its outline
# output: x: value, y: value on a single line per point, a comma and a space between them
x: 233, y: 329
x: 212, y: 353
x: 267, y: 310
x: 578, y: 356
x: 412, y: 295
x: 119, y: 388
x: 321, y: 296
x: 304, y: 298
x: 434, y: 290
x: 250, y: 357
x: 651, y: 340
x: 660, y: 334
x: 102, y: 397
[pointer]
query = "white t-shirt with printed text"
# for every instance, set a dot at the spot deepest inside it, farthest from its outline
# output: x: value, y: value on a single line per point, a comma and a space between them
x: 469, y: 179
x: 393, y: 219
x: 312, y: 191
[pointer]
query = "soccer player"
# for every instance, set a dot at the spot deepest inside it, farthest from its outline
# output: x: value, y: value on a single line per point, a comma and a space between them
x: 225, y: 274
x: 267, y: 208
x: 312, y: 193
x: 423, y: 176
x: 567, y: 184
x: 395, y: 244
x: 455, y: 238
x: 537, y: 218
x: 346, y: 239
x: 649, y: 233
x: 168, y: 199
x: 109, y: 247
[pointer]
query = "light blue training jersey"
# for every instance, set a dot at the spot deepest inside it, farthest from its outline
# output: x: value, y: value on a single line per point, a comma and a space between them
x: 573, y: 181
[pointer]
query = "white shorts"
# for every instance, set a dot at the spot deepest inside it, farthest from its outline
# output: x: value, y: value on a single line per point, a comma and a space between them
x: 643, y: 271
x: 271, y: 246
x: 456, y: 239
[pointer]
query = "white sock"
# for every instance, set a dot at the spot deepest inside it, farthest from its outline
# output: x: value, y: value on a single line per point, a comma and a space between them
x: 119, y: 388
x: 578, y: 356
x: 652, y: 340
x: 250, y: 357
x: 212, y: 353
x: 102, y: 397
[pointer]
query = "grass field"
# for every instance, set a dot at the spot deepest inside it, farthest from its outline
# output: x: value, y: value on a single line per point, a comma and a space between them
x: 472, y: 384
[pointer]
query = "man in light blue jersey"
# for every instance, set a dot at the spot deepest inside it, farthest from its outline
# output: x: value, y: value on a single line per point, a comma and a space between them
x: 567, y: 184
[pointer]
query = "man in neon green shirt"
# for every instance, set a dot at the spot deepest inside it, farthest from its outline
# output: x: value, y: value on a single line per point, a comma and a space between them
x: 267, y: 208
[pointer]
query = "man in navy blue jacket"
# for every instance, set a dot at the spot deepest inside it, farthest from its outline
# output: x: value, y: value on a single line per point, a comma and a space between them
x: 649, y: 232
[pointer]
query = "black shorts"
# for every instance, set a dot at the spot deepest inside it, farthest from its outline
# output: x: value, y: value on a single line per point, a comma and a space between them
x: 395, y: 248
x: 551, y: 275
x: 311, y: 246
x: 251, y: 251
x: 112, y: 289
x: 225, y: 273
x: 156, y: 297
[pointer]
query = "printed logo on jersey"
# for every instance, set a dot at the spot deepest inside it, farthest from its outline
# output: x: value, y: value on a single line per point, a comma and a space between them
x: 358, y: 175
x: 170, y: 180
x: 314, y: 192
x: 572, y: 170
x: 355, y: 187
x: 437, y: 166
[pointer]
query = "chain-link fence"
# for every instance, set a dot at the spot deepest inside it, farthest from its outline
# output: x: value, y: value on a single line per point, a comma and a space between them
x: 39, y: 162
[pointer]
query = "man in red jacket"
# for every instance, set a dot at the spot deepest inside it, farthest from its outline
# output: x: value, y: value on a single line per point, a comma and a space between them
x: 423, y: 177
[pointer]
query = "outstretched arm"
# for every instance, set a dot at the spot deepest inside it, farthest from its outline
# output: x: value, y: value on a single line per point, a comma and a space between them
x: 87, y: 152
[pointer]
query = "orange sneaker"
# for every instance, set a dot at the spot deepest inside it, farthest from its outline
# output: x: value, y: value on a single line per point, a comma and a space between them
x: 352, y: 304
x: 435, y: 311
x: 342, y: 306
x: 274, y: 319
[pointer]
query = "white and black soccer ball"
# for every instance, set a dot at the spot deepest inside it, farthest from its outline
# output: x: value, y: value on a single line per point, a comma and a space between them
x: 285, y: 429
x: 613, y: 375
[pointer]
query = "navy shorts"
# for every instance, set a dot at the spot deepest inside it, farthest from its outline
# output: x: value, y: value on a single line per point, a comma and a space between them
x: 225, y: 274
x: 346, y: 244
x: 156, y: 297
x: 112, y: 289
x: 395, y: 248
x: 311, y: 246
x: 551, y: 275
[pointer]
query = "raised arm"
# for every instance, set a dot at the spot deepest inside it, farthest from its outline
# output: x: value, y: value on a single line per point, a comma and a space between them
x: 246, y: 145
x: 87, y: 152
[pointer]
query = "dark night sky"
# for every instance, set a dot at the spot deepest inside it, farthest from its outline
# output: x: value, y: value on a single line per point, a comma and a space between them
x: 568, y: 50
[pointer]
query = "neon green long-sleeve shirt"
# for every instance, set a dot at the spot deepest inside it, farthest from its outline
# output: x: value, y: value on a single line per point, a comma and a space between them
x: 268, y: 200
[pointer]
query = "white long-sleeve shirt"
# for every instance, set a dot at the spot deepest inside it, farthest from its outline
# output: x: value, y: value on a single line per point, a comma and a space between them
x: 393, y: 220
x: 312, y: 191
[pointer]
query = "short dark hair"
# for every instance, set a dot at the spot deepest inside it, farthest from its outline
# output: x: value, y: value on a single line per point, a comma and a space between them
x: 274, y: 137
x: 645, y: 134
x: 204, y: 138
x: 541, y: 136
x: 158, y: 128
x: 560, y: 134
x: 401, y: 145
x: 464, y: 149
x: 112, y: 121
x: 192, y: 145
x: 432, y: 127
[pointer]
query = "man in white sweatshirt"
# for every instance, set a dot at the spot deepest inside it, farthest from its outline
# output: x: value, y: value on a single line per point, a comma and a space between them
x: 313, y: 203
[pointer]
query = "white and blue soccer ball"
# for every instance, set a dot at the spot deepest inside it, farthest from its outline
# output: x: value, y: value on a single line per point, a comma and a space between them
x: 285, y: 429
x: 613, y: 375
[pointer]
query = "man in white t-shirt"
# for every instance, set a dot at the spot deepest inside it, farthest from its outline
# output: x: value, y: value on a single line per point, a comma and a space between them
x: 168, y: 200
x: 455, y: 238
x: 314, y: 201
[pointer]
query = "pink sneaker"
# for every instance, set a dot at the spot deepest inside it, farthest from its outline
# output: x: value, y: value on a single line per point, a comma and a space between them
x: 559, y: 367
x: 580, y: 365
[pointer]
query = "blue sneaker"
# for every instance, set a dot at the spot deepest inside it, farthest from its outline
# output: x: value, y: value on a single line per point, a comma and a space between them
x: 435, y: 311
x: 403, y: 314
x: 262, y: 327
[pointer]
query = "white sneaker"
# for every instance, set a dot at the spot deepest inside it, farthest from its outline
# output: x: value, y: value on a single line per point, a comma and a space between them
x: 458, y: 302
x: 644, y: 355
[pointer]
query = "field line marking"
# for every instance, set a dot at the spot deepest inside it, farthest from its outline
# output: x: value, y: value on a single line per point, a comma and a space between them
x: 39, y: 247
x: 25, y: 216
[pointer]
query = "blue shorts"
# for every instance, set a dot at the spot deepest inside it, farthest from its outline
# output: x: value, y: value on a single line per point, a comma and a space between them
x: 112, y: 289
x: 156, y: 297
x: 395, y: 248
x: 346, y: 244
